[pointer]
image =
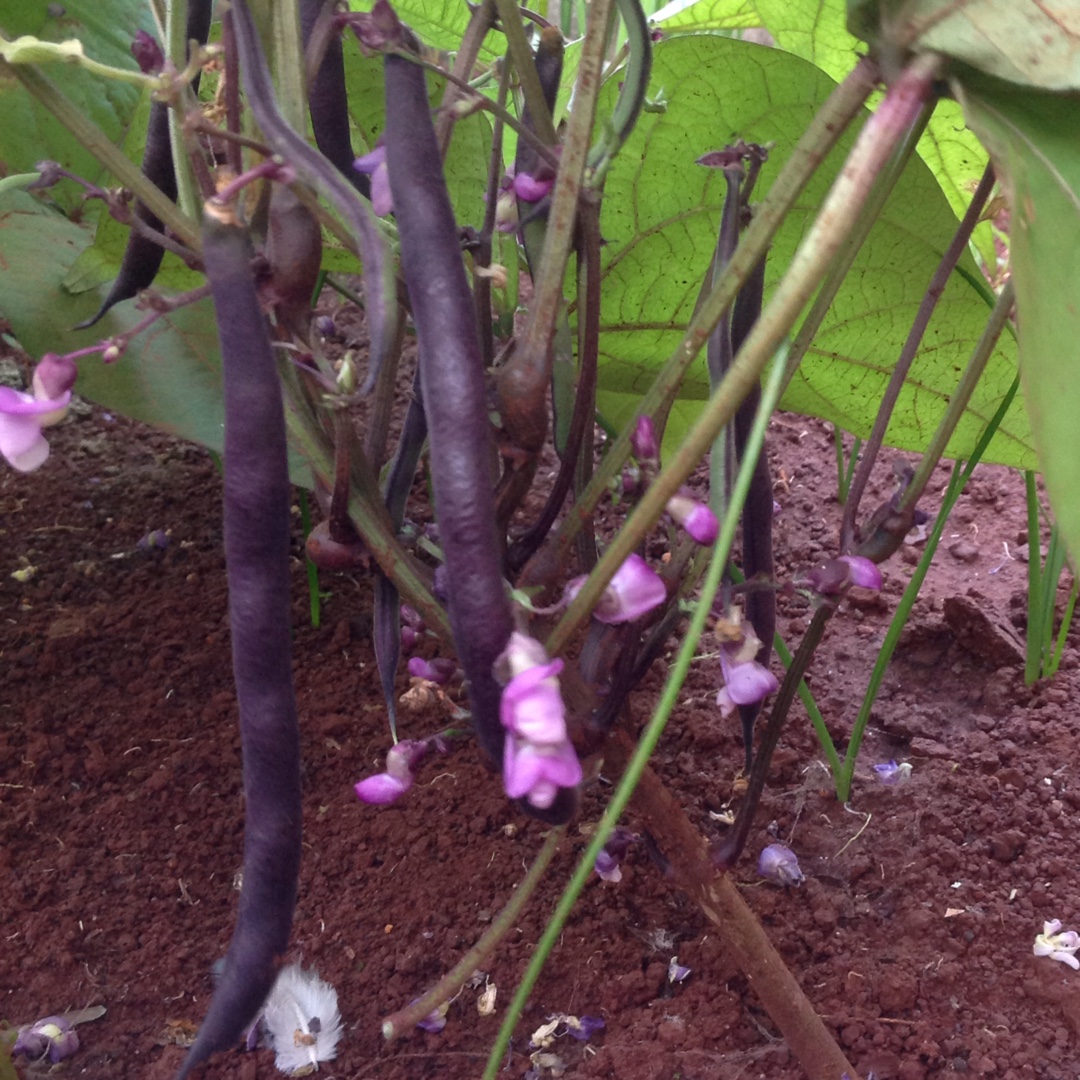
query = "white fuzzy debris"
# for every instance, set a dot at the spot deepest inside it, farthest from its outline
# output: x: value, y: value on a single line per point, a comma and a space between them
x: 302, y: 1018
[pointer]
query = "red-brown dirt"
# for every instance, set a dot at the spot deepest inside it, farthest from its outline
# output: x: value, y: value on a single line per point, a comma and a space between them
x: 121, y: 814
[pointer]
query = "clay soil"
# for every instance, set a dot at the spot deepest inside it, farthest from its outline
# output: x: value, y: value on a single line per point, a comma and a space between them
x: 121, y: 814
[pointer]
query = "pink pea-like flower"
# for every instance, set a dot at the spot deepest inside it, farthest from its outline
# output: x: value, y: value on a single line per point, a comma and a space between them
x: 634, y: 591
x: 23, y: 415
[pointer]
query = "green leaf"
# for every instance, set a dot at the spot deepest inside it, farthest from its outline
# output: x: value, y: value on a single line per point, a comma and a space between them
x: 1034, y: 139
x: 661, y: 213
x: 705, y: 15
x: 816, y: 31
x: 169, y: 377
x: 1028, y: 42
x: 28, y: 134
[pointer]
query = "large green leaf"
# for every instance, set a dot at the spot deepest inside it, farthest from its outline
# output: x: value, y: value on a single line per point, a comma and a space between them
x: 816, y: 31
x: 1034, y: 139
x: 704, y: 15
x: 28, y: 133
x: 660, y: 217
x: 169, y: 377
x: 1030, y: 42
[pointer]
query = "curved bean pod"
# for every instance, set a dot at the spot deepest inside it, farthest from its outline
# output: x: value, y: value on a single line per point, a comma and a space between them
x: 257, y: 563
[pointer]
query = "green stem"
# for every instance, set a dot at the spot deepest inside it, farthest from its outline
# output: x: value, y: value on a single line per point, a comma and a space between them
x: 404, y: 1020
x: 654, y: 729
x: 111, y: 157
x: 315, y: 600
x: 176, y: 12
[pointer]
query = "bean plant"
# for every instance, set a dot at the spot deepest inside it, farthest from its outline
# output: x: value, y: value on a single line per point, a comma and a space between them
x: 715, y: 209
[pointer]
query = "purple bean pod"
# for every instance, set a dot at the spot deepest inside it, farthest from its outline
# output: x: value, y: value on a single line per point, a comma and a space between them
x: 328, y: 101
x: 142, y: 256
x: 257, y: 564
x: 454, y: 393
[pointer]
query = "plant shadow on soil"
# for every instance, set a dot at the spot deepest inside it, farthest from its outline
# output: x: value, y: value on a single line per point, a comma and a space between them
x: 121, y: 818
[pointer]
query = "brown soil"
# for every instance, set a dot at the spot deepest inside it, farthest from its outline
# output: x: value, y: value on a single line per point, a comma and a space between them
x: 121, y: 816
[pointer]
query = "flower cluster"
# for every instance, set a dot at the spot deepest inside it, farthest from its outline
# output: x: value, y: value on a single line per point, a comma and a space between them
x: 23, y: 415
x: 539, y: 757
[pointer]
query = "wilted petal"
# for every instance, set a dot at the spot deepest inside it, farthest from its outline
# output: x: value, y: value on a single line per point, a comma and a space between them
x: 382, y: 789
x: 53, y: 1038
x: 778, y: 863
x: 891, y: 774
x: 607, y: 867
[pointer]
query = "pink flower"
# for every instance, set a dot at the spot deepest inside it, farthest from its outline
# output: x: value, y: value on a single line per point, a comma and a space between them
x: 23, y: 415
x: 696, y: 518
x: 374, y: 165
x: 386, y: 787
x: 634, y: 590
x: 536, y: 772
x: 538, y: 757
x: 532, y: 707
x: 745, y: 680
x: 836, y: 576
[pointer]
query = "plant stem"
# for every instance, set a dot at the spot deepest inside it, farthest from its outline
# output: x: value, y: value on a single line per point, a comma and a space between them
x: 93, y: 139
x: 653, y: 730
x: 930, y: 300
x: 397, y: 1024
x: 522, y: 58
x: 837, y: 217
x: 826, y: 128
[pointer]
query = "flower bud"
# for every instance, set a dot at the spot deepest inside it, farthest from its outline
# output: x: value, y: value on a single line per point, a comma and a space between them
x: 696, y: 518
x: 147, y: 53
x: 643, y: 440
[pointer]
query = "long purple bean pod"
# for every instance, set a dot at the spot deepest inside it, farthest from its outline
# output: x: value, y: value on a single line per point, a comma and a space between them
x: 380, y: 288
x: 257, y: 565
x: 454, y: 392
x: 328, y: 101
x: 142, y: 256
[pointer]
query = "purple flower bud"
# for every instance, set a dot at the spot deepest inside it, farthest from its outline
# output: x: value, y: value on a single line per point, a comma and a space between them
x: 634, y: 590
x: 147, y: 53
x: 411, y: 617
x: 835, y: 576
x: 409, y: 638
x: 607, y: 867
x: 613, y: 852
x: 862, y: 572
x: 439, y: 671
x: 530, y: 188
x: 696, y: 518
x: 892, y: 774
x: 53, y: 1038
x: 374, y: 165
x: 778, y: 863
x: 643, y: 440
x: 54, y: 377
x: 325, y: 325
